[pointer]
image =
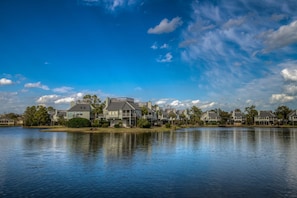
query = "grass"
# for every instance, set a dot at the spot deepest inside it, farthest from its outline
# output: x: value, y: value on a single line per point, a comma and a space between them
x: 105, y: 130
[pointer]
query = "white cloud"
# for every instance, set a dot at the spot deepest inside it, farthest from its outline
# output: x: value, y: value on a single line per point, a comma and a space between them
x: 166, y: 26
x: 67, y: 100
x: 290, y: 89
x: 284, y: 36
x: 281, y: 98
x: 164, y: 46
x: 289, y: 74
x: 175, y: 103
x: 47, y: 99
x: 5, y: 81
x: 162, y: 102
x: 208, y: 105
x: 195, y: 102
x: 36, y: 85
x: 63, y: 89
x: 234, y: 22
x: 165, y: 59
x: 154, y: 46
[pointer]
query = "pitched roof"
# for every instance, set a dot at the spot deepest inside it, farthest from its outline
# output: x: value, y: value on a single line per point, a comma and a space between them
x: 81, y: 107
x: 123, y: 105
x: 265, y: 114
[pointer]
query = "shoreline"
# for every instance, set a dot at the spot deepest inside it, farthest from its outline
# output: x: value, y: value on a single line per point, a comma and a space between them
x: 105, y: 130
x: 139, y: 130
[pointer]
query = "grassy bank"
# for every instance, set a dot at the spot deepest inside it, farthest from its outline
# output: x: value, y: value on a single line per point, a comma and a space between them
x: 105, y: 130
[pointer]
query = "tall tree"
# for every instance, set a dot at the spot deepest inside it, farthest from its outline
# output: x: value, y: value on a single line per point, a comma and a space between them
x: 42, y: 116
x: 251, y: 112
x: 282, y: 113
x: 29, y: 116
x: 225, y: 116
x: 196, y: 114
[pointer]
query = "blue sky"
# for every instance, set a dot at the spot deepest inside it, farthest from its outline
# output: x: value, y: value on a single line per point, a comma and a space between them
x: 212, y: 54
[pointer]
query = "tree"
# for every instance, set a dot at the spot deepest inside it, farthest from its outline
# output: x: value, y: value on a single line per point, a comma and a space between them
x: 196, y: 115
x: 225, y: 116
x: 144, y: 110
x: 282, y: 113
x: 41, y: 116
x: 172, y: 116
x: 251, y: 112
x: 29, y: 116
x: 95, y: 102
x: 143, y: 123
x: 36, y: 115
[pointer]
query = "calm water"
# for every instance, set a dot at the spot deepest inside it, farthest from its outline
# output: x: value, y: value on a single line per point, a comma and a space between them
x: 204, y: 162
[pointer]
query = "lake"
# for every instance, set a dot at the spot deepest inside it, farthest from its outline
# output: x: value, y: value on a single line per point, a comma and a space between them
x: 201, y: 162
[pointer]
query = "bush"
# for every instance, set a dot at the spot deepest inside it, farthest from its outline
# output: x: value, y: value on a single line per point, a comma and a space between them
x: 168, y: 125
x: 79, y: 122
x: 143, y: 123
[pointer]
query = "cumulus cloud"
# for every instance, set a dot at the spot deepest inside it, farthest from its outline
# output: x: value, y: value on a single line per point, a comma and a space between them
x: 47, y: 99
x: 63, y: 89
x: 290, y: 89
x: 166, y: 26
x: 67, y: 100
x: 281, y: 98
x: 165, y: 59
x: 208, y: 105
x: 195, y: 102
x: 175, y: 103
x: 5, y: 81
x: 289, y: 74
x: 36, y: 85
x: 284, y: 36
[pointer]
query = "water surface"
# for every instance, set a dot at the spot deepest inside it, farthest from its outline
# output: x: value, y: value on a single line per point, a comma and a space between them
x: 202, y: 162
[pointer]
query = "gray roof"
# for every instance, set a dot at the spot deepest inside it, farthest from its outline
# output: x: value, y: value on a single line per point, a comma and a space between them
x: 213, y: 115
x: 81, y: 107
x: 122, y: 105
x: 265, y: 114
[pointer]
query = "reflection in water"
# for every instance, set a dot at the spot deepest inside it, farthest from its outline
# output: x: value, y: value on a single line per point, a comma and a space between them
x: 240, y: 162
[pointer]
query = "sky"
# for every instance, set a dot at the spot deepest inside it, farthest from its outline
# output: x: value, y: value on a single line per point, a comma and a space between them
x: 175, y: 53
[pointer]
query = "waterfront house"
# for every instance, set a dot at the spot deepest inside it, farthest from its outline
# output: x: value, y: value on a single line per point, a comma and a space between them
x: 210, y: 117
x: 292, y: 117
x: 151, y: 115
x: 80, y: 110
x: 6, y: 122
x: 265, y: 118
x: 237, y: 118
x: 122, y: 110
x: 58, y: 114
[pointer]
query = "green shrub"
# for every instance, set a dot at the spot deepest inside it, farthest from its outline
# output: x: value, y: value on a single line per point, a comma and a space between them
x: 78, y: 123
x: 143, y: 123
x: 168, y: 125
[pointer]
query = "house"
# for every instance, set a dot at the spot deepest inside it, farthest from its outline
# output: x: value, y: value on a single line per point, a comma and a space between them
x: 152, y: 112
x: 237, y: 118
x: 265, y: 118
x: 6, y: 122
x: 58, y: 114
x: 80, y: 110
x: 292, y: 117
x: 210, y: 117
x: 122, y: 110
